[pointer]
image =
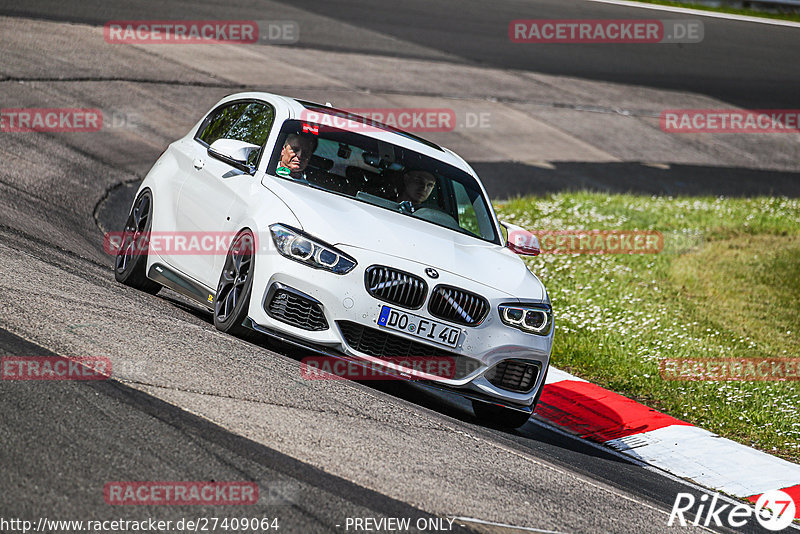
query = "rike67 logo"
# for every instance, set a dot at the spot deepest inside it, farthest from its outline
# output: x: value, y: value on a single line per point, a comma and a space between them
x: 774, y: 511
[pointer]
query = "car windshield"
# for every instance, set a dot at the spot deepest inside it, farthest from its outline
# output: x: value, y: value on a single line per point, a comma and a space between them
x: 382, y: 174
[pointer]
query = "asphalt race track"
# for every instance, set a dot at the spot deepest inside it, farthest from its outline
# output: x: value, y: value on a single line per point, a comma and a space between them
x: 750, y: 65
x: 189, y: 403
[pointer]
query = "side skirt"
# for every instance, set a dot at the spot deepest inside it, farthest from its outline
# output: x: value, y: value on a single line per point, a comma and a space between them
x: 179, y: 283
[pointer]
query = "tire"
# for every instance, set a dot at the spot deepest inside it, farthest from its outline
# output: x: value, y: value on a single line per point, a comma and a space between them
x: 129, y: 264
x: 494, y: 415
x: 235, y: 284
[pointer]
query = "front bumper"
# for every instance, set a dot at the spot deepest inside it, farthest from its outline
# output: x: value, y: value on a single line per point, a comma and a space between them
x: 344, y: 298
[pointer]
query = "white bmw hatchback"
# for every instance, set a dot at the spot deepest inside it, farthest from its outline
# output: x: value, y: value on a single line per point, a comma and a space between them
x: 351, y: 239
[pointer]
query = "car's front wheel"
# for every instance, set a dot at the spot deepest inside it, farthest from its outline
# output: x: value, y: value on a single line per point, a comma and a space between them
x: 130, y: 262
x: 235, y: 283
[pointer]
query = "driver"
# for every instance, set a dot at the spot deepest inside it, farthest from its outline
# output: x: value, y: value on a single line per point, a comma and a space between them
x: 418, y: 186
x: 296, y: 153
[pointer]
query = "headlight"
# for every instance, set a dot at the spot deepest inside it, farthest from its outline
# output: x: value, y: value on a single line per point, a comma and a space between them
x: 301, y: 247
x: 530, y: 318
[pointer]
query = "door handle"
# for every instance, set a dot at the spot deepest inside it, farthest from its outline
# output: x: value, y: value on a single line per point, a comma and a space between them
x: 198, y: 163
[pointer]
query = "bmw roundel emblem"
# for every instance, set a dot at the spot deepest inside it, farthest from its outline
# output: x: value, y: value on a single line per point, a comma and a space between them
x: 433, y: 273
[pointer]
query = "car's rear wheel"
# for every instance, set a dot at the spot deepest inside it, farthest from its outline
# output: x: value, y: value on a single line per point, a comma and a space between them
x: 130, y: 263
x: 235, y: 283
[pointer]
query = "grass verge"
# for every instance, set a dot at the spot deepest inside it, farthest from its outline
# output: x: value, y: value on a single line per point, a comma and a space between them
x: 726, y: 285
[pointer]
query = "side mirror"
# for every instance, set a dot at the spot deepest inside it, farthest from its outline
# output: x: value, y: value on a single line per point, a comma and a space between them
x: 235, y: 153
x: 521, y: 241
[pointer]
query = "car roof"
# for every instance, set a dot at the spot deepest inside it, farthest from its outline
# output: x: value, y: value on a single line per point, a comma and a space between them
x: 297, y: 108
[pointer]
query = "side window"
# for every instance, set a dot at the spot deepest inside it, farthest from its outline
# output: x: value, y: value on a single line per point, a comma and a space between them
x: 243, y: 121
x: 253, y: 125
x: 220, y: 122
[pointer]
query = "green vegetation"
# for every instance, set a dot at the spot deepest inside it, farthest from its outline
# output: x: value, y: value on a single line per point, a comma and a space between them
x: 726, y: 285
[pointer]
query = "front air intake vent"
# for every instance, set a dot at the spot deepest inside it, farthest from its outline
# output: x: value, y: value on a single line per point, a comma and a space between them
x: 514, y: 375
x: 382, y: 344
x: 295, y: 308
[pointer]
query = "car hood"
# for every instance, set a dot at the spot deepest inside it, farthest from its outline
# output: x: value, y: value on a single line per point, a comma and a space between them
x: 339, y: 220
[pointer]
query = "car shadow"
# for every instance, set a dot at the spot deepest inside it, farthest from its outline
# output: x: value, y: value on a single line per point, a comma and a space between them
x: 537, y: 432
x: 204, y: 314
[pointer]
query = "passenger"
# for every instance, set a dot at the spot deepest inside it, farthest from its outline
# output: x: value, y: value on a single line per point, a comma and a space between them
x: 418, y: 186
x: 296, y: 153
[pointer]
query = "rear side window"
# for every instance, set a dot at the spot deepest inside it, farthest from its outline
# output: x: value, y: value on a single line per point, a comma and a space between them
x: 220, y: 121
x: 253, y: 125
x: 243, y: 121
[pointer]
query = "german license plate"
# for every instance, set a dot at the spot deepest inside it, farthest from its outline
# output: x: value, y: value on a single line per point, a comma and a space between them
x: 417, y: 326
